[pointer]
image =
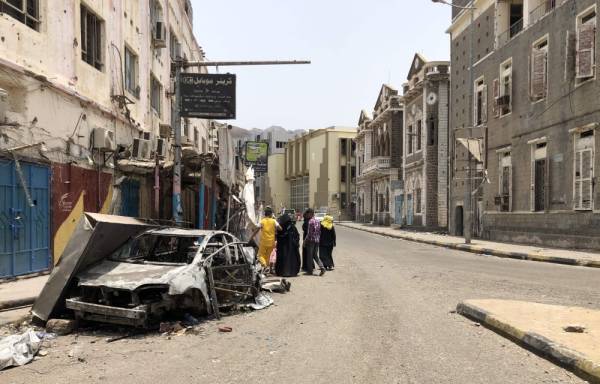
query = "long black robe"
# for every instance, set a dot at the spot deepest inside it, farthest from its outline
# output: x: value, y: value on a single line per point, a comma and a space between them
x: 326, y: 244
x: 288, y: 253
x: 306, y: 259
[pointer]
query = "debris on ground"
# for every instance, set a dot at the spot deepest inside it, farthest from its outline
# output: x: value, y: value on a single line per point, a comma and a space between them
x: 574, y: 328
x: 170, y: 327
x: 261, y: 301
x: 17, y: 350
x: 276, y: 286
x: 225, y: 328
x: 61, y: 326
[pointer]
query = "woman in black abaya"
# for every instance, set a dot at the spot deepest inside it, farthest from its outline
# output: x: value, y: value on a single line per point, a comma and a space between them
x: 288, y: 252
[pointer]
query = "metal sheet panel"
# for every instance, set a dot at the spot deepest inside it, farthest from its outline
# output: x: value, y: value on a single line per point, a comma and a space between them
x: 96, y: 236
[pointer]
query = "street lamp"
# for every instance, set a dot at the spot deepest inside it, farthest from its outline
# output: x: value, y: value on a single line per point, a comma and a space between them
x: 467, y: 203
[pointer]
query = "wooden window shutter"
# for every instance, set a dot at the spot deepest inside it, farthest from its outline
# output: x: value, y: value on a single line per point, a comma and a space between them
x: 577, y: 181
x: 586, y: 178
x: 532, y: 189
x: 586, y: 39
x: 539, y: 72
x: 484, y: 97
x: 496, y: 91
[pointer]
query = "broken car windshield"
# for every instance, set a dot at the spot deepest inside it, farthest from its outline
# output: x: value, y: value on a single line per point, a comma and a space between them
x: 159, y: 248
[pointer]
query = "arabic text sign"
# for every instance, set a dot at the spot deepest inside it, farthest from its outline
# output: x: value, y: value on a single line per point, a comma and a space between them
x: 257, y: 155
x: 208, y: 96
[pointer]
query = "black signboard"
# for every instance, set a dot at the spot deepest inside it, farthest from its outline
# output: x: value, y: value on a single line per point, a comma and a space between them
x: 208, y: 96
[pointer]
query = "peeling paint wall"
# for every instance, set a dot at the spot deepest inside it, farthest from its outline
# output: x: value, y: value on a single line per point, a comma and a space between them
x: 57, y: 98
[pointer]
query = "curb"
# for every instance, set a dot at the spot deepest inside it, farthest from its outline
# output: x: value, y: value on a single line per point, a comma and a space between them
x: 488, y: 251
x: 17, y: 303
x: 560, y: 354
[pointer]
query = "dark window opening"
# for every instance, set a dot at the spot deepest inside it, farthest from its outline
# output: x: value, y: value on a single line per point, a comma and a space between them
x: 26, y: 12
x: 431, y: 134
x: 343, y: 147
x: 343, y: 174
x: 91, y: 38
x: 419, y: 134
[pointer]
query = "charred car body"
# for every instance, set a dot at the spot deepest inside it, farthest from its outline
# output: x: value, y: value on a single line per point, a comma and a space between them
x: 132, y: 273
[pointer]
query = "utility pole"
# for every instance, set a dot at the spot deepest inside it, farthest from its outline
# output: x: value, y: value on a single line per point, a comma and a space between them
x: 176, y: 124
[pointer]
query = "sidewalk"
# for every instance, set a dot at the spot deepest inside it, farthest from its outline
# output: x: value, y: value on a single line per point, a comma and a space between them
x: 541, y: 327
x: 513, y: 251
x: 21, y: 292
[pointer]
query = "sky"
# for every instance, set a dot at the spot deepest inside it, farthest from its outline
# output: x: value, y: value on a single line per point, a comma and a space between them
x: 355, y: 46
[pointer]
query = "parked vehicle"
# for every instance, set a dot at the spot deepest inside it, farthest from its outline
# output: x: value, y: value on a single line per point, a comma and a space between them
x: 136, y: 280
x: 319, y: 215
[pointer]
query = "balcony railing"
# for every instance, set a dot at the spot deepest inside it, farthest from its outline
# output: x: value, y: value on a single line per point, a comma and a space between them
x: 542, y: 10
x: 376, y: 164
x: 511, y: 32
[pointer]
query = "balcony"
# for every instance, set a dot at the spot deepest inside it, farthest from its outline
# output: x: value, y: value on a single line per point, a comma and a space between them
x: 542, y: 10
x: 376, y: 164
x: 511, y: 32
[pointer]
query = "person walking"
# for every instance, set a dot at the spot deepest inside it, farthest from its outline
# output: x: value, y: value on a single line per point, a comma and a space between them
x: 327, y: 242
x: 305, y: 258
x: 268, y: 226
x: 313, y: 237
x: 287, y: 263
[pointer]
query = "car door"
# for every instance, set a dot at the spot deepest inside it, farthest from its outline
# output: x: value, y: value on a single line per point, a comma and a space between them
x: 231, y: 273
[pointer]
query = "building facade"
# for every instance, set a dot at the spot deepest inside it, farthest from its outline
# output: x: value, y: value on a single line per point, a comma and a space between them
x: 423, y: 200
x: 277, y: 190
x: 320, y: 167
x: 85, y: 108
x: 380, y: 143
x: 533, y: 168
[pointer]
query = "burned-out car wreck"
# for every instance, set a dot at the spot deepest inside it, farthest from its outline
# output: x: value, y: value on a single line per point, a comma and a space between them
x: 124, y: 271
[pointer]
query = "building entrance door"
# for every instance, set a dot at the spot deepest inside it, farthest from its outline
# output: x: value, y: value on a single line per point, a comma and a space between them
x: 398, y: 213
x: 409, y: 209
x: 24, y: 218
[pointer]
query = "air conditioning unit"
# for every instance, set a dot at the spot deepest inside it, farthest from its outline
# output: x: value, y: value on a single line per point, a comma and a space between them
x: 103, y: 140
x: 3, y: 105
x: 141, y: 149
x: 161, y: 148
x: 164, y: 130
x: 504, y: 100
x: 177, y: 52
x: 159, y: 35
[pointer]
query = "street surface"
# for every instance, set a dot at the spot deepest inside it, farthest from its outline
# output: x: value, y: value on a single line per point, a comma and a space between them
x: 383, y: 316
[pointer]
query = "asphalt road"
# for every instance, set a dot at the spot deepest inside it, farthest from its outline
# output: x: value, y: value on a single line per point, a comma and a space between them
x: 383, y: 316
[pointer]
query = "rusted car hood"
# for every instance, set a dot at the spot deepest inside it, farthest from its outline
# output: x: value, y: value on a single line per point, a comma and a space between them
x: 129, y: 276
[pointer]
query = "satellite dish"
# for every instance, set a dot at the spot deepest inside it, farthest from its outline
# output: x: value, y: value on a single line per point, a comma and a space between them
x: 431, y: 98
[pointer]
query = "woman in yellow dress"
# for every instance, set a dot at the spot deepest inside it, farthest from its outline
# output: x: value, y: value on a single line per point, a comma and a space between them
x: 268, y: 226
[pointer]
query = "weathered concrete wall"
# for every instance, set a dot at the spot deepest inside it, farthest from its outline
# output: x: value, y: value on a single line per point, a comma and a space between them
x: 56, y: 97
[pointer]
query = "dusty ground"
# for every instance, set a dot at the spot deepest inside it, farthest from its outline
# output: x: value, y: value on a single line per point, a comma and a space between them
x: 383, y: 316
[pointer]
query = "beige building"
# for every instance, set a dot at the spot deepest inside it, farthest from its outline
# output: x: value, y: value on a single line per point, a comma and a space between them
x: 92, y: 81
x: 277, y: 190
x: 321, y: 169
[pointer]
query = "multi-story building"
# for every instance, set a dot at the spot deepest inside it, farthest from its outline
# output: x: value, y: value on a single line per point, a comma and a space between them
x: 321, y: 169
x: 423, y: 200
x: 380, y: 143
x: 85, y: 108
x: 536, y: 130
x: 277, y: 190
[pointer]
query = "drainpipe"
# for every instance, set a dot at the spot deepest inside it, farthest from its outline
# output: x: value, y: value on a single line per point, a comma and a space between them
x: 157, y: 188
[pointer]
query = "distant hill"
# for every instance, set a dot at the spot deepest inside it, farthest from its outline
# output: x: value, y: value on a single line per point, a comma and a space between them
x: 243, y: 133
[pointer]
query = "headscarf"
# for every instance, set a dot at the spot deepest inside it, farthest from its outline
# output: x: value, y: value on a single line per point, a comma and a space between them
x: 327, y: 222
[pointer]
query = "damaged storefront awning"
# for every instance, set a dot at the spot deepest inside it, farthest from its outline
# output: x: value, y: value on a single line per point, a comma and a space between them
x: 141, y: 166
x: 474, y: 146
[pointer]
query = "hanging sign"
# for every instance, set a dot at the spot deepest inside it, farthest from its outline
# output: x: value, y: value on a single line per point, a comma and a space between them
x: 207, y: 96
